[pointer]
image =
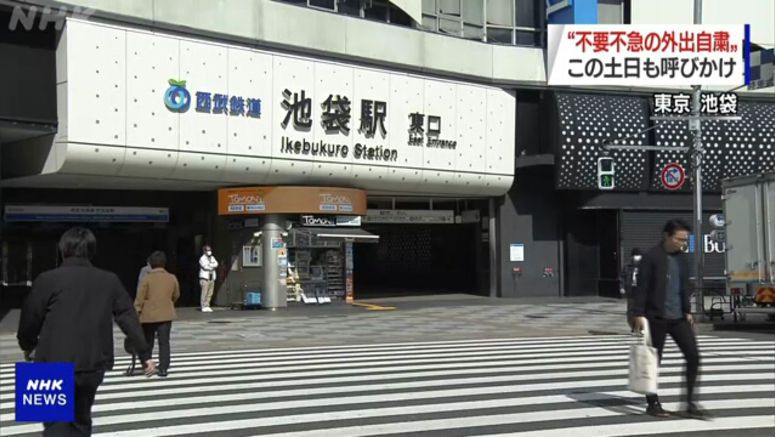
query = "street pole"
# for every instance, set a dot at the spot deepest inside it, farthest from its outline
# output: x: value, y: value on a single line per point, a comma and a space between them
x: 695, y: 126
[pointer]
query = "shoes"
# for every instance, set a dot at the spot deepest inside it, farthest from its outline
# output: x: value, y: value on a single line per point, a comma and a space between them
x: 207, y: 310
x: 162, y: 373
x: 693, y: 411
x: 656, y: 410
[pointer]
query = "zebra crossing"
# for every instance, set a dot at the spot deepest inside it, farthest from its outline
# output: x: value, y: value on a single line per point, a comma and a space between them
x: 544, y: 386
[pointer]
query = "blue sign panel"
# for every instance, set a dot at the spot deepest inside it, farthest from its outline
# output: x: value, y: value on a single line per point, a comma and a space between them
x: 45, y: 392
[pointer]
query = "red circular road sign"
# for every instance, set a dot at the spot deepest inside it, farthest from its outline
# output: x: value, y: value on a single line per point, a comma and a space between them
x: 673, y: 176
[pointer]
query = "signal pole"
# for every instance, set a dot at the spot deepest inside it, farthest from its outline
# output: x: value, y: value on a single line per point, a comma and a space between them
x: 695, y: 125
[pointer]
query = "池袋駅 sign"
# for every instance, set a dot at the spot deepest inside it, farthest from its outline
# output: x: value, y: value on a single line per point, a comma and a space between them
x: 335, y: 118
x: 649, y: 55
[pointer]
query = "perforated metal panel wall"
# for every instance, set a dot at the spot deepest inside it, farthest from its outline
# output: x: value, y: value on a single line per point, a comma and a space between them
x: 586, y: 123
x: 733, y: 148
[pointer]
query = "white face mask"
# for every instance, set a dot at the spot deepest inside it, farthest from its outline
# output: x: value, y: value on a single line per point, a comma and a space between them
x: 209, y: 253
x: 637, y: 258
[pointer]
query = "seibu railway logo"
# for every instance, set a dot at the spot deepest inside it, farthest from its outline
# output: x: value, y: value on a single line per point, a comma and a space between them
x: 246, y: 203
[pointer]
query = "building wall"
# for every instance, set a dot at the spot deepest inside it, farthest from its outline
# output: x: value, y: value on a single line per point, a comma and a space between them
x: 27, y: 83
x: 268, y: 22
x: 760, y: 14
x: 528, y: 215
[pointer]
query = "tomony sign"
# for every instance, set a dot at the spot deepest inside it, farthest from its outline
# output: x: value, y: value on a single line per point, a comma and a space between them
x: 661, y: 55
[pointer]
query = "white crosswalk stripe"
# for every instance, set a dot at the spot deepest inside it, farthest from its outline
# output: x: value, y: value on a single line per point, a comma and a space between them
x: 514, y: 386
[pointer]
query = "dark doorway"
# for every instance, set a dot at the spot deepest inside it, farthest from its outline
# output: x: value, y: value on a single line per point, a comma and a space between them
x: 416, y: 259
x: 608, y: 234
x: 582, y: 253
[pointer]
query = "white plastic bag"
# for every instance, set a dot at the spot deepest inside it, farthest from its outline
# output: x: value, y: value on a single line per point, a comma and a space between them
x: 644, y: 365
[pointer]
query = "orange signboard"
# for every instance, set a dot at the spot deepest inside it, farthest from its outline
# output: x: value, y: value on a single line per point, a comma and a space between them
x: 291, y: 200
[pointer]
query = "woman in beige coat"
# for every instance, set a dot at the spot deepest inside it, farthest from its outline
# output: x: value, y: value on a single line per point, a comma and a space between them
x: 155, y: 304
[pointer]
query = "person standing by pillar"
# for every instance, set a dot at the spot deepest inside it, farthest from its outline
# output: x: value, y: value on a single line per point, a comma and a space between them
x: 207, y: 276
x: 661, y: 298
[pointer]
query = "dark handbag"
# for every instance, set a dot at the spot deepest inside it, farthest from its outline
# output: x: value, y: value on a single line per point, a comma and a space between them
x: 129, y: 348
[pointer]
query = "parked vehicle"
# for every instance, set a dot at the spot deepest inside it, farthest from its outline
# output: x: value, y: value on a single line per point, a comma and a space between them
x: 749, y: 228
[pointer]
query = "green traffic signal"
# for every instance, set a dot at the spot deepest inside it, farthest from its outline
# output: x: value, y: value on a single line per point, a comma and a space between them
x: 606, y: 182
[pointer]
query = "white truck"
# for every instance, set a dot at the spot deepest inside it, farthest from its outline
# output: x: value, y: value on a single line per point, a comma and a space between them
x: 749, y: 228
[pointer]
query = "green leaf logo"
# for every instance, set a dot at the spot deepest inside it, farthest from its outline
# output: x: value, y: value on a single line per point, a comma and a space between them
x: 180, y: 83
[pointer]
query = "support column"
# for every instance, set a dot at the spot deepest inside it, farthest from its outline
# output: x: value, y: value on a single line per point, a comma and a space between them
x: 494, y: 261
x: 274, y: 292
x: 696, y: 128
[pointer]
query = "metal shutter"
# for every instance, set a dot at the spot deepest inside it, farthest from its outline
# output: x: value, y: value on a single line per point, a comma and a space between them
x: 643, y: 229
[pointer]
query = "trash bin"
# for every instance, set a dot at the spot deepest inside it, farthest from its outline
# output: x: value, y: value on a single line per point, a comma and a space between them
x: 252, y: 300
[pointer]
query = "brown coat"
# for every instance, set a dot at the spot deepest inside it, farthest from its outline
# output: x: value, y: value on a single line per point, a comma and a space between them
x: 156, y: 297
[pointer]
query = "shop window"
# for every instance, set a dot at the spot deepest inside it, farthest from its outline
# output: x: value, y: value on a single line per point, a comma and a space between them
x: 499, y: 35
x: 528, y: 38
x: 377, y: 11
x: 450, y: 7
x: 450, y: 27
x: 350, y: 7
x: 473, y: 32
x: 429, y: 23
x: 500, y: 13
x: 526, y: 14
x: 473, y: 13
x: 610, y: 11
x: 496, y: 21
x: 398, y: 16
x: 323, y: 4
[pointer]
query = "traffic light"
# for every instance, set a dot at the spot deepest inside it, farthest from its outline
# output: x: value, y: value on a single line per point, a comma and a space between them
x: 605, y: 173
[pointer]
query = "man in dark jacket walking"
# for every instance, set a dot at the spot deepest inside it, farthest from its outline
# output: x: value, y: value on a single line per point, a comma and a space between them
x: 661, y: 297
x: 68, y: 317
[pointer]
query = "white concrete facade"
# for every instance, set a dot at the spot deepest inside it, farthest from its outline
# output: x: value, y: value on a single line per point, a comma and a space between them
x: 115, y: 127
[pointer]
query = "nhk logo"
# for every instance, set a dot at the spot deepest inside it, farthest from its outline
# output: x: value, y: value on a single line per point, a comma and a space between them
x: 26, y: 16
x: 45, y: 392
x: 38, y: 392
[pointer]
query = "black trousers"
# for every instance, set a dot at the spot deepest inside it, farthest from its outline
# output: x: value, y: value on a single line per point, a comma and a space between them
x: 683, y: 334
x: 86, y: 384
x: 163, y: 331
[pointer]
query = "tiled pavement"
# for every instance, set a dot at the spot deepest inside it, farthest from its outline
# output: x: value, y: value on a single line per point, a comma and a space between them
x: 340, y: 324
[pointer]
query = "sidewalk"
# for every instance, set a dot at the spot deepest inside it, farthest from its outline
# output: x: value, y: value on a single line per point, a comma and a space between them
x: 414, y: 319
x: 9, y: 321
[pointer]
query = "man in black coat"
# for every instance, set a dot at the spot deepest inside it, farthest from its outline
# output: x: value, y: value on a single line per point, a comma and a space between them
x: 662, y: 297
x: 68, y: 317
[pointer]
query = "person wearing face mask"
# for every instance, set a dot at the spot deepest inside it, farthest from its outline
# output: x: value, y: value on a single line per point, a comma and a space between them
x: 628, y: 280
x: 207, y: 266
x: 661, y: 302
